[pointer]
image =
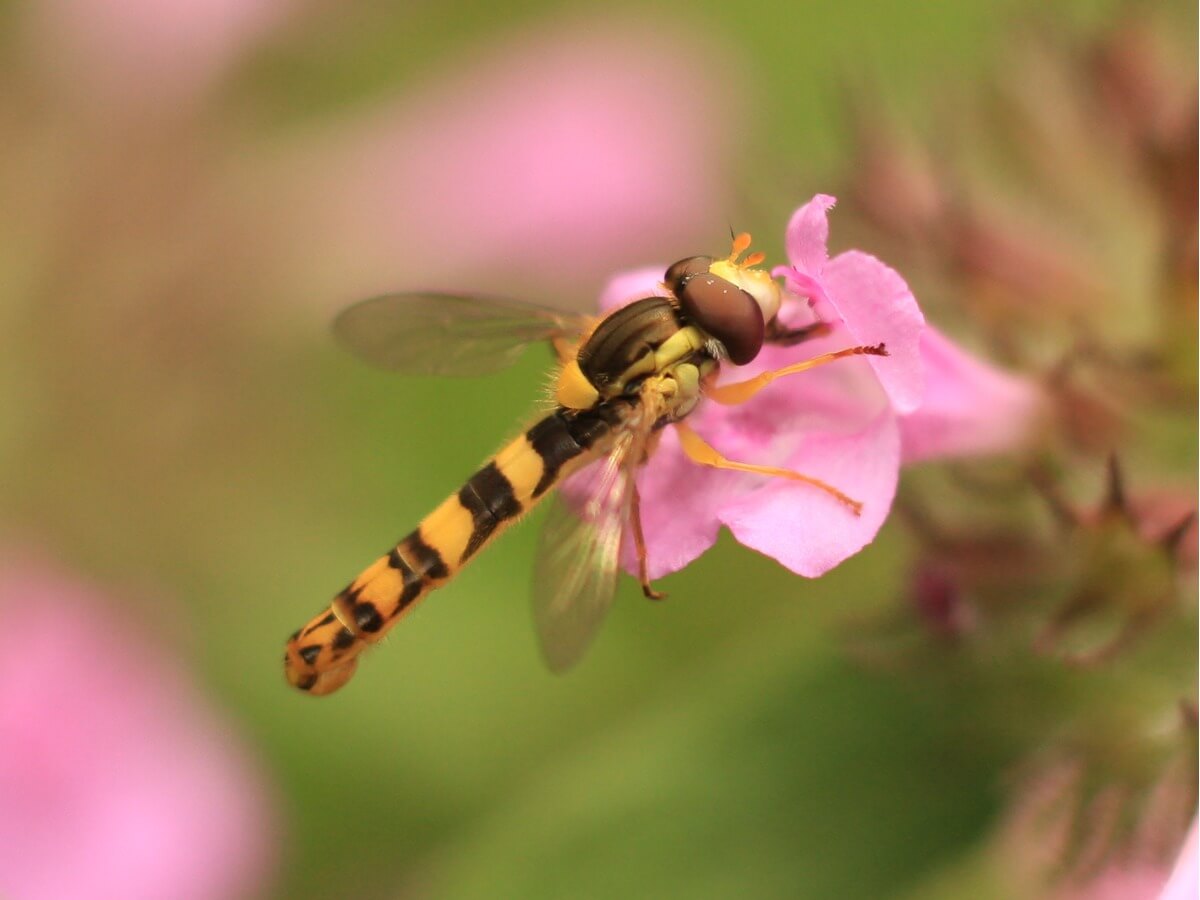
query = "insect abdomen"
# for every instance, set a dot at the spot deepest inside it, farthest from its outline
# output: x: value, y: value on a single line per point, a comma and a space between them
x: 322, y: 656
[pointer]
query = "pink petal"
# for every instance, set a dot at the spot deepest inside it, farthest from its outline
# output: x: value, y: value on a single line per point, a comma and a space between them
x: 804, y: 528
x: 679, y: 500
x: 970, y: 408
x: 807, y: 235
x: 877, y: 307
x: 811, y: 289
x: 148, y: 49
x: 116, y: 780
x: 843, y: 395
x: 634, y: 285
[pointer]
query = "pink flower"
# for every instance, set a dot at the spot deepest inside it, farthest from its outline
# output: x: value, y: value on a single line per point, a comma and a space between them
x: 850, y: 423
x: 1144, y: 880
x: 1183, y: 880
x: 116, y: 780
x: 554, y: 154
x: 134, y: 50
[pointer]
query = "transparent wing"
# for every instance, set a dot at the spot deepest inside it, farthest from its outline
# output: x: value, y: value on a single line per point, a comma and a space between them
x: 449, y: 334
x: 578, y: 559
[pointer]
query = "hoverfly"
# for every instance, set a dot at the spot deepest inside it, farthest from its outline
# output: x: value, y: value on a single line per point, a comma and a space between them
x: 622, y: 378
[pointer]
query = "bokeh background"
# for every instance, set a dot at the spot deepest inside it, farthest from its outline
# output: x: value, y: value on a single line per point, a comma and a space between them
x: 190, y: 468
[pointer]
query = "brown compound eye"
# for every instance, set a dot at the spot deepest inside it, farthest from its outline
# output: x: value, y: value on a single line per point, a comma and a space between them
x: 726, y: 312
x: 680, y: 272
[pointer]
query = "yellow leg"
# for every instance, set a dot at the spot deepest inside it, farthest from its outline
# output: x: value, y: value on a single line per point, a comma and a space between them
x: 564, y: 348
x: 639, y: 543
x: 698, y: 451
x: 740, y: 392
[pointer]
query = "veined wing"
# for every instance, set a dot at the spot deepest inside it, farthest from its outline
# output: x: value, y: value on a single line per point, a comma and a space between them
x: 449, y: 334
x: 579, y: 552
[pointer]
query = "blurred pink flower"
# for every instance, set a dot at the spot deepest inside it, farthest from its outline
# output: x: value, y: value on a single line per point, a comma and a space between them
x: 116, y: 780
x: 1145, y: 881
x: 843, y: 423
x: 555, y: 154
x: 1074, y: 834
x: 1123, y: 883
x: 130, y: 51
x: 1185, y: 877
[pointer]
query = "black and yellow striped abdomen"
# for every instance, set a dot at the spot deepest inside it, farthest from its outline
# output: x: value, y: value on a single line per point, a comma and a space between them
x: 322, y: 656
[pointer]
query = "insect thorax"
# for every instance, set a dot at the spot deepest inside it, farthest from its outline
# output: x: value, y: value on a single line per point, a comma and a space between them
x: 645, y: 344
x: 622, y: 347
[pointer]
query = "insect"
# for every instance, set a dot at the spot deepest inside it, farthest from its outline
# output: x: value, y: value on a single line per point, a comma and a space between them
x: 622, y: 378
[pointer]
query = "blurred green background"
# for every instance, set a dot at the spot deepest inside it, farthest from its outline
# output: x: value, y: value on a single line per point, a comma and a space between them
x: 202, y: 441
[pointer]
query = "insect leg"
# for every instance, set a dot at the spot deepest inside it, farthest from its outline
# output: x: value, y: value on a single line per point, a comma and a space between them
x: 699, y: 451
x: 639, y: 542
x: 741, y: 391
x: 564, y: 348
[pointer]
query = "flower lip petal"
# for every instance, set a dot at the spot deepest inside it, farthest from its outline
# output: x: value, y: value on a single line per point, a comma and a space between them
x: 801, y: 526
